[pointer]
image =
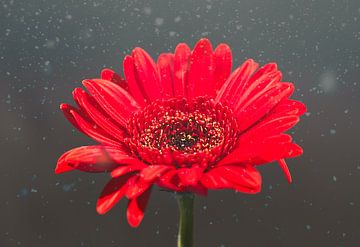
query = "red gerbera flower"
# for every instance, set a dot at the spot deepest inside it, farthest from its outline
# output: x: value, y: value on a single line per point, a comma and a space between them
x: 185, y: 123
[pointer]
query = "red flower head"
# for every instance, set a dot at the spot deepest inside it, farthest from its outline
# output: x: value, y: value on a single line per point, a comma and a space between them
x: 185, y: 123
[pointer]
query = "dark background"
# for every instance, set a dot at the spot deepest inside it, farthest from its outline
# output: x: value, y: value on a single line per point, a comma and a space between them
x: 48, y: 47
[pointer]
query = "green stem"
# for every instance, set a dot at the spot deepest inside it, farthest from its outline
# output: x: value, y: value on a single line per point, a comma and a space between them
x: 186, y: 221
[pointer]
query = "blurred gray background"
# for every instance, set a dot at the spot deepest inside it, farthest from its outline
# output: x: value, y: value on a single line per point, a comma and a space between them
x: 47, y: 47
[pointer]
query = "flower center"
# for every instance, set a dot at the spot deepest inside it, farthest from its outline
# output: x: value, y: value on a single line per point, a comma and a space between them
x: 182, y: 133
x: 185, y: 131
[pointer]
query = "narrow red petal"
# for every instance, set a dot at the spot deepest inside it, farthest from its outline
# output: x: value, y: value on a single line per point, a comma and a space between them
x: 189, y: 176
x: 170, y: 181
x: 147, y: 75
x: 274, y: 126
x: 257, y: 87
x: 289, y: 107
x: 222, y: 64
x: 181, y: 67
x: 230, y: 90
x: 137, y: 186
x: 165, y: 65
x: 86, y: 125
x: 63, y: 166
x: 134, y: 165
x: 136, y: 208
x: 285, y: 169
x: 111, y: 194
x: 200, y: 80
x: 132, y: 79
x: 262, y: 78
x: 262, y: 151
x: 65, y: 108
x: 91, y: 159
x: 257, y: 108
x: 116, y: 101
x: 88, y: 105
x: 110, y: 75
x: 93, y: 130
x: 153, y: 172
x: 243, y: 178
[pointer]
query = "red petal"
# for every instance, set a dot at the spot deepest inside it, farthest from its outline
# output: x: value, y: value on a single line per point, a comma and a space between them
x: 200, y: 81
x: 165, y: 65
x: 268, y: 150
x: 116, y: 101
x: 272, y: 126
x: 136, y: 208
x: 153, y: 172
x: 135, y: 165
x: 170, y: 181
x: 91, y: 159
x: 285, y: 169
x: 289, y: 107
x: 65, y: 108
x: 243, y: 178
x: 94, y: 111
x: 136, y: 187
x: 257, y: 87
x: 181, y: 67
x: 223, y: 64
x: 131, y: 77
x: 147, y: 76
x: 189, y: 176
x: 92, y: 130
x: 229, y: 92
x: 109, y: 75
x: 258, y: 107
x: 111, y: 194
x: 87, y: 125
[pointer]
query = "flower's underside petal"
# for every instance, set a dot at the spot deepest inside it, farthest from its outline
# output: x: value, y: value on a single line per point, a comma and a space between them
x: 137, y: 186
x: 87, y: 126
x: 229, y: 93
x: 189, y: 176
x: 92, y: 159
x: 181, y: 68
x: 165, y: 65
x: 112, y: 193
x: 133, y: 166
x: 170, y: 181
x: 142, y: 76
x: 200, y: 80
x: 153, y: 172
x: 96, y: 113
x: 115, y: 101
x: 136, y: 208
x: 242, y: 178
x: 223, y: 64
x: 110, y: 75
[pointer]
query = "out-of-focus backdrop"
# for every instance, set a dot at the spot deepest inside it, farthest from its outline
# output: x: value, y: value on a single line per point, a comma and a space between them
x: 47, y: 47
